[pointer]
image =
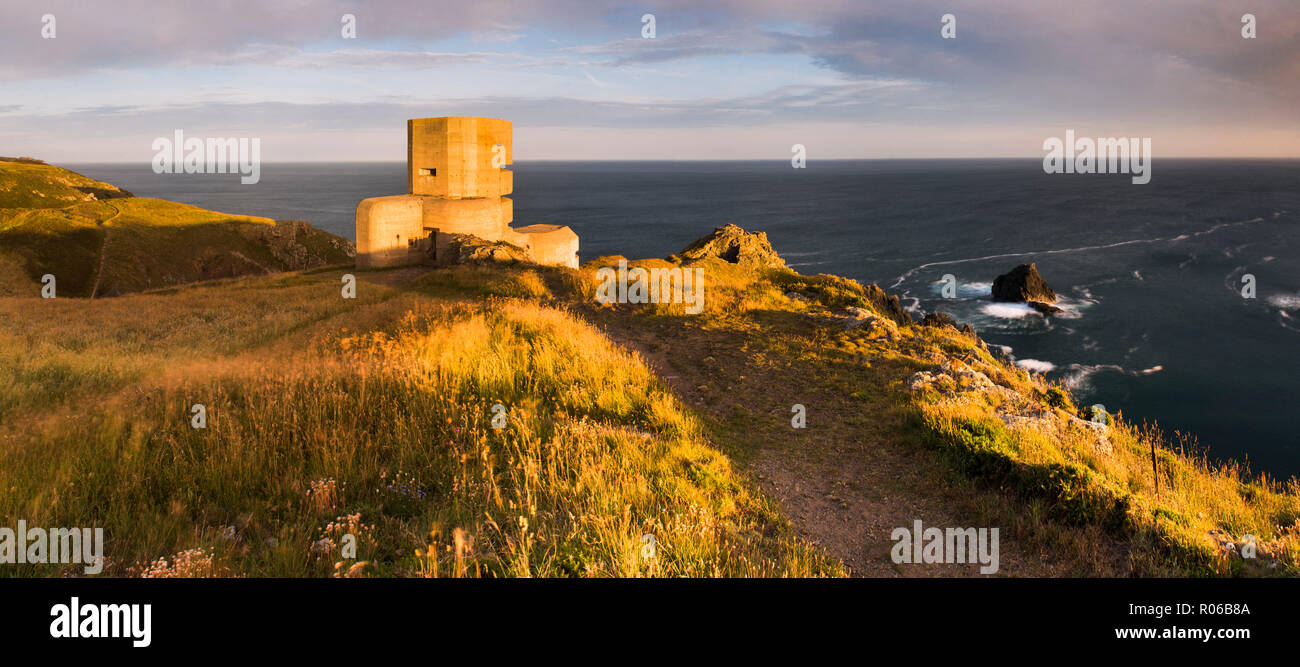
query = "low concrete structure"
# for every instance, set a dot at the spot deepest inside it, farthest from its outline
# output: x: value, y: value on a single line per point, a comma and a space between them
x: 456, y: 184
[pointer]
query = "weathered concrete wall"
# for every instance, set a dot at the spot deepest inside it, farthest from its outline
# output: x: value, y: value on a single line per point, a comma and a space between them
x: 548, y: 244
x: 456, y: 185
x: 385, y: 227
x: 481, y: 217
x: 459, y: 157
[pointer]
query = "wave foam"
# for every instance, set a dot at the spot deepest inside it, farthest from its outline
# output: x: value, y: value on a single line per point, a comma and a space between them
x: 1009, y: 310
x: 1285, y: 301
x: 1079, y: 377
x: 1036, y: 365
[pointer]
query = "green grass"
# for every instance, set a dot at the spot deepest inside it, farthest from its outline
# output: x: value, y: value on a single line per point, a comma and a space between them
x: 378, y: 409
x: 57, y: 222
x: 34, y: 184
x: 373, y: 417
x: 1060, y: 476
x: 1106, y: 478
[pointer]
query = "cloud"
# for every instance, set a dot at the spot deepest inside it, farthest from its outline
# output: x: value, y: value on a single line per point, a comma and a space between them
x: 829, y: 102
x: 641, y: 51
x: 143, y: 33
x: 1137, y: 63
x: 293, y: 57
x: 1127, y: 68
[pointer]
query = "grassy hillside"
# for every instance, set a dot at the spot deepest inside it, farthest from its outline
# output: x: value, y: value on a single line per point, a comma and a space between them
x: 496, y: 421
x: 929, y: 424
x: 97, y: 240
x: 373, y: 417
x: 370, y: 416
x: 30, y: 183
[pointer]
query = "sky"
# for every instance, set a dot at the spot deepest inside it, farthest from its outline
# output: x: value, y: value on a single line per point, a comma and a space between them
x: 718, y: 81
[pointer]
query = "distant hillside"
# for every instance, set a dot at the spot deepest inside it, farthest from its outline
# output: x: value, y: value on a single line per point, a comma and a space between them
x: 100, y: 240
x: 30, y: 183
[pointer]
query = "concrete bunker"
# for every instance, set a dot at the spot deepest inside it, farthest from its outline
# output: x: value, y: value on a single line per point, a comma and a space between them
x: 456, y: 184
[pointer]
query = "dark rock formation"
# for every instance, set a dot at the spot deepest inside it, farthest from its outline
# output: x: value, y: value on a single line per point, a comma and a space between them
x: 946, y: 320
x: 735, y: 245
x: 1044, y: 308
x: 1023, y: 284
x: 887, y: 304
x: 470, y: 249
x: 938, y: 320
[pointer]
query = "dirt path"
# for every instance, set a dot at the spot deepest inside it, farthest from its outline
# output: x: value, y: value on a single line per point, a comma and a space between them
x: 103, y: 248
x: 858, y: 470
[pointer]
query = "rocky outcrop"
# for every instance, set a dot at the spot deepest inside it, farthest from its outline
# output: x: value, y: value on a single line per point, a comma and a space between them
x: 938, y: 320
x: 1044, y: 308
x: 732, y: 244
x: 946, y: 320
x: 888, y: 304
x: 470, y: 249
x: 861, y: 318
x: 956, y: 378
x: 1023, y: 284
x: 298, y: 245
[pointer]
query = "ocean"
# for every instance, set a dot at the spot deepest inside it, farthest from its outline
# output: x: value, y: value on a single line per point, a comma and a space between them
x: 1150, y: 276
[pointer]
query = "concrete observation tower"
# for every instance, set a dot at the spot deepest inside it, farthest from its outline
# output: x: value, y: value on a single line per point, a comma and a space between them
x: 456, y: 184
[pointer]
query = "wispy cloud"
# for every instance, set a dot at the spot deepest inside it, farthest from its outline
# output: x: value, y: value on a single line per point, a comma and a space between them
x: 135, y: 65
x: 294, y: 57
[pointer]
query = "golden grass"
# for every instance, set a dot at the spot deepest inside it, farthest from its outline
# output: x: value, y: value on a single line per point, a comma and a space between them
x: 1064, y: 474
x: 1110, y: 480
x: 387, y: 402
x: 57, y: 222
x: 374, y: 418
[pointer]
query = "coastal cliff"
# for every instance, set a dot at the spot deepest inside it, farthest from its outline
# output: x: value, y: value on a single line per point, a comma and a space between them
x: 99, y: 240
x: 494, y: 419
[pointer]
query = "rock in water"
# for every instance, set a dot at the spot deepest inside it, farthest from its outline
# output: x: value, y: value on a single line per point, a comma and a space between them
x: 735, y: 245
x: 1044, y: 308
x: 1023, y: 284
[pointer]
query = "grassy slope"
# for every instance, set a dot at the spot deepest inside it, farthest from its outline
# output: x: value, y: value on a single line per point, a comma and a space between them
x: 372, y: 417
x: 1048, y: 480
x: 54, y: 221
x: 33, y: 184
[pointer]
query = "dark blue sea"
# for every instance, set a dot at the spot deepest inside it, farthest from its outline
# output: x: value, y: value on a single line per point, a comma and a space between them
x: 1150, y: 275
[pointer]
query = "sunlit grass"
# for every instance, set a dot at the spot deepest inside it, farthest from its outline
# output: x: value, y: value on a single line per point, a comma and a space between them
x: 304, y: 390
x: 1061, y: 470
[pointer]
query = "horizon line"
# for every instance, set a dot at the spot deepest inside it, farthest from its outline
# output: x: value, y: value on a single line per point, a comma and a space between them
x: 837, y: 159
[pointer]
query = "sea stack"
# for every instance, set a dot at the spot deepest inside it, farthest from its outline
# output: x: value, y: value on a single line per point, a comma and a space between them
x: 1023, y: 284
